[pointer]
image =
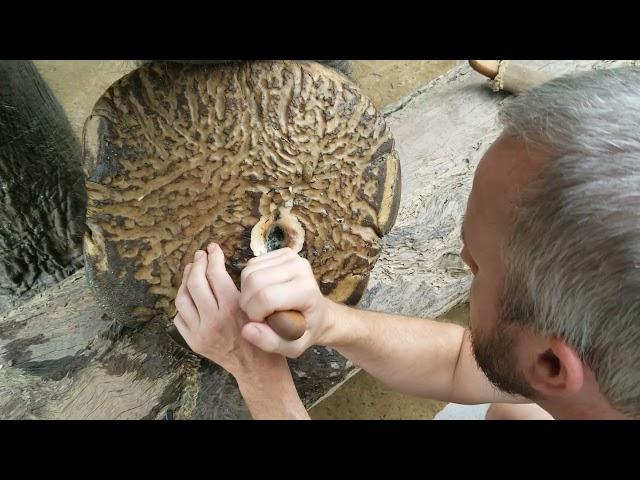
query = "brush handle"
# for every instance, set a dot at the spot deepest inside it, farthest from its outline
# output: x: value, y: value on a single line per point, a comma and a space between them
x: 289, y: 324
x: 516, y: 78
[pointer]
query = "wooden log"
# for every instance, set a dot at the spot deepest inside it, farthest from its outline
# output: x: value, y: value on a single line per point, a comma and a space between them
x: 42, y: 194
x: 61, y: 358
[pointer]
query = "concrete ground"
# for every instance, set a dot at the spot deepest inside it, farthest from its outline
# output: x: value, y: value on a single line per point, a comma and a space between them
x: 78, y: 84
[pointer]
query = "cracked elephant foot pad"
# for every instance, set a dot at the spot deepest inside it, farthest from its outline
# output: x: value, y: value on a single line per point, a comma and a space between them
x: 177, y: 156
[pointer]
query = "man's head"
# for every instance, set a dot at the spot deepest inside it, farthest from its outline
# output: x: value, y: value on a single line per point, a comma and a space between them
x: 552, y: 233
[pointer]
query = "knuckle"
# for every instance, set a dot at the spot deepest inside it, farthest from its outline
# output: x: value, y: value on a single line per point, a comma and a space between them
x: 272, y: 345
x: 193, y: 282
x: 263, y: 296
x: 180, y: 302
x: 254, y: 279
x: 246, y: 278
x: 215, y: 327
x: 253, y: 313
x: 196, y: 346
x: 299, y: 267
x: 210, y: 274
x: 307, y: 265
x: 251, y: 278
x: 310, y: 284
x: 242, y: 302
x: 294, y: 354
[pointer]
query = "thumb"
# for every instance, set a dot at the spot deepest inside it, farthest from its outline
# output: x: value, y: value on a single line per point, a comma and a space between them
x: 263, y: 337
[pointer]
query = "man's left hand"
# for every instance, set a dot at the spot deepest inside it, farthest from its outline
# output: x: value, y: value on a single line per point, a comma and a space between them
x: 210, y: 319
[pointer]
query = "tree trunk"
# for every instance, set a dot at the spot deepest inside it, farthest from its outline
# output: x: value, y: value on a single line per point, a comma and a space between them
x: 63, y: 358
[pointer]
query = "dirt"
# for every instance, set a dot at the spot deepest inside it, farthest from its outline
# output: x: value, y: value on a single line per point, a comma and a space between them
x: 77, y: 84
x: 386, y: 81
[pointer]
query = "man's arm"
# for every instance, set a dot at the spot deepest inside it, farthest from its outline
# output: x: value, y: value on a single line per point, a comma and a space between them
x: 414, y: 355
x: 418, y: 356
x: 271, y: 394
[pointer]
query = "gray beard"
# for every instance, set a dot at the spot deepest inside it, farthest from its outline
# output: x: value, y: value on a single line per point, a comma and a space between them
x: 494, y: 353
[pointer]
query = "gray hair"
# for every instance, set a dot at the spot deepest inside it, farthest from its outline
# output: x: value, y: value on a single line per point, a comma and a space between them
x: 573, y: 256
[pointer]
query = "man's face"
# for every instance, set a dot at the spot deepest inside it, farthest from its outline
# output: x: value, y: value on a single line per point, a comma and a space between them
x: 504, y: 171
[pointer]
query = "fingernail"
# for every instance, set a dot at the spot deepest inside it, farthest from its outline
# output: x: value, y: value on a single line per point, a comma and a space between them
x: 212, y: 247
x: 198, y: 254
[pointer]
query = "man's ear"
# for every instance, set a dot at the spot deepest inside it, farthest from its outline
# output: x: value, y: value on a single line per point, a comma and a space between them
x: 556, y: 368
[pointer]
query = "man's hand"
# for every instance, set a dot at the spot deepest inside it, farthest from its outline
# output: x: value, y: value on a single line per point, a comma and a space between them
x: 210, y: 319
x: 277, y: 281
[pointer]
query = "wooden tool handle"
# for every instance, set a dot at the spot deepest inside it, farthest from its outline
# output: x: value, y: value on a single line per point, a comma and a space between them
x: 516, y: 78
x: 488, y: 68
x: 289, y: 324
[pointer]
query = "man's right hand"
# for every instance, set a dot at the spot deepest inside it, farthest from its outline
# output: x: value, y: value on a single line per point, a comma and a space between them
x: 277, y: 281
x: 412, y: 355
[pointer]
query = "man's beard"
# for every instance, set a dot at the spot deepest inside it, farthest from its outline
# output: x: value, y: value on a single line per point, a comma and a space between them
x: 495, y: 353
